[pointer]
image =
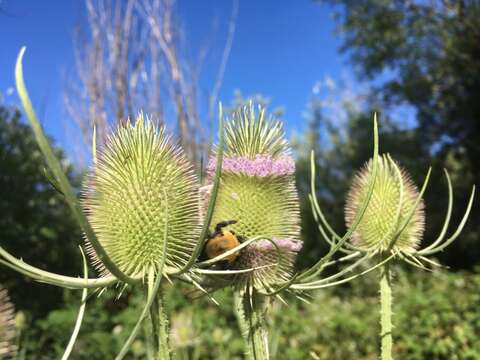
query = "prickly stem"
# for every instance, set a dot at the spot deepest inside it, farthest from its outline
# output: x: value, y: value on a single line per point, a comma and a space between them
x: 386, y: 313
x: 250, y: 309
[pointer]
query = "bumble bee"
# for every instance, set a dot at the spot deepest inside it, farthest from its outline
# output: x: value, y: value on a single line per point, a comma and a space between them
x: 220, y: 241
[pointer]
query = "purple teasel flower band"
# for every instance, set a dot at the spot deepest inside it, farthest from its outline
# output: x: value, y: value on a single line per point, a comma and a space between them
x: 283, y: 244
x: 261, y: 166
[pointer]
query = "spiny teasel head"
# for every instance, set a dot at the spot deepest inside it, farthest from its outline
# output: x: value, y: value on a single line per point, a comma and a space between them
x: 7, y: 326
x: 141, y: 186
x: 392, y: 202
x: 257, y: 190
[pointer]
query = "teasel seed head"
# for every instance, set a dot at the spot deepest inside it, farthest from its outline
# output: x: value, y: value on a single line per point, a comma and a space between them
x: 7, y: 327
x: 141, y: 186
x: 257, y: 190
x: 392, y: 202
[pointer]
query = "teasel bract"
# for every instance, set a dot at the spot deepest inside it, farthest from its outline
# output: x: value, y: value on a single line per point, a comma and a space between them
x: 8, y: 348
x: 391, y: 228
x: 140, y: 217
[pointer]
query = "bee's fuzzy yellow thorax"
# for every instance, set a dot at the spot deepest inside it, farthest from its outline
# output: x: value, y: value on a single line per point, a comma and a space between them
x: 222, y: 243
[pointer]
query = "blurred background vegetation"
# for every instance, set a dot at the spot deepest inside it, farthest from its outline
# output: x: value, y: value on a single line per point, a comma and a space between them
x: 423, y: 54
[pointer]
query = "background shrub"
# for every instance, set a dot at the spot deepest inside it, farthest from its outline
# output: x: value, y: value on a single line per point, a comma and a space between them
x: 436, y: 316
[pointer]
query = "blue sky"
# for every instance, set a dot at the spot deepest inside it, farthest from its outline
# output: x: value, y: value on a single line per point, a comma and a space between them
x: 282, y: 50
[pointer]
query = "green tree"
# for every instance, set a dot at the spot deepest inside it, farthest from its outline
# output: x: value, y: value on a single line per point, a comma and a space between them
x: 35, y: 223
x: 431, y: 50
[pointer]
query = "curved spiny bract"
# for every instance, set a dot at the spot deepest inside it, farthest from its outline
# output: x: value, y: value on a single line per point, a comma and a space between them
x: 258, y: 191
x: 7, y: 327
x: 140, y: 182
x: 392, y: 202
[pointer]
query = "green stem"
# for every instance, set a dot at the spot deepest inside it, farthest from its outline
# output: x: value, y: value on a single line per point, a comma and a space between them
x: 154, y: 317
x: 160, y: 327
x: 153, y: 288
x: 386, y: 313
x: 81, y: 312
x: 250, y: 309
x: 149, y: 340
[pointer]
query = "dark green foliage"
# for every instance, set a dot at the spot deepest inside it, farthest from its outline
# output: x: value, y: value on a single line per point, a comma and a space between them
x: 34, y: 222
x: 432, y: 49
x: 436, y: 316
x: 425, y: 54
x: 429, y: 324
x: 200, y: 330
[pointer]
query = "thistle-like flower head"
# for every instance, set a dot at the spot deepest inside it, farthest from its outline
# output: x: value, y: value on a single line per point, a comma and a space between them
x: 7, y: 326
x: 141, y: 187
x: 258, y: 191
x: 392, y: 202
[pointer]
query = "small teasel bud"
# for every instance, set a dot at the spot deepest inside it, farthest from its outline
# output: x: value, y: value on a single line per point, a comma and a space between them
x: 7, y: 327
x: 258, y: 191
x: 392, y: 202
x: 141, y: 186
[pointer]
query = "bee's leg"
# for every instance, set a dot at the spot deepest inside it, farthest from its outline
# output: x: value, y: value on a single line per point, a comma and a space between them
x: 222, y: 224
x: 223, y: 265
x: 241, y: 238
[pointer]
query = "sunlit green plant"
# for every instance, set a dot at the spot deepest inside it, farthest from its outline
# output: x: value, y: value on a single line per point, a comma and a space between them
x: 257, y: 190
x: 146, y: 219
x: 140, y: 216
x: 391, y: 228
